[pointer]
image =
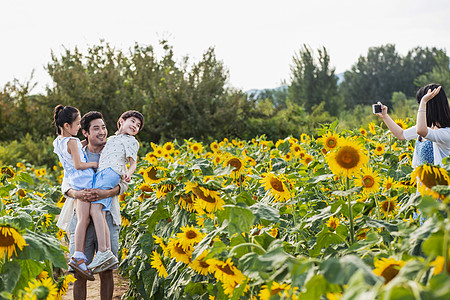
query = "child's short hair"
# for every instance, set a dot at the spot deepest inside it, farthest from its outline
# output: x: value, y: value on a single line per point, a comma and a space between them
x: 132, y: 113
x: 88, y: 118
x: 64, y: 114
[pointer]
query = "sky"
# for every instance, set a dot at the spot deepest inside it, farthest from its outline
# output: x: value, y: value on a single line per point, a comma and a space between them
x: 256, y: 40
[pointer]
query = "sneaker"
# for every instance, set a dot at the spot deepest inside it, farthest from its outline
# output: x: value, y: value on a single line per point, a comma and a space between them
x: 112, y: 262
x: 100, y: 258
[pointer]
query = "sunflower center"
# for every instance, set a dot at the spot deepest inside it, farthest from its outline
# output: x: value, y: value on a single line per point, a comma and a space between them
x: 187, y: 199
x: 388, y: 185
x: 191, y: 234
x: 331, y: 143
x: 178, y: 249
x: 199, y: 193
x: 388, y: 206
x: 226, y: 269
x: 6, y: 241
x: 390, y: 272
x: 236, y: 163
x: 168, y: 147
x: 347, y: 157
x: 203, y: 264
x: 275, y: 291
x: 152, y: 174
x: 276, y: 184
x: 368, y: 181
x: 379, y: 149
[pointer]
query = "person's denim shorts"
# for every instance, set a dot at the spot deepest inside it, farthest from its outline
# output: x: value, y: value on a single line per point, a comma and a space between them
x: 91, y: 238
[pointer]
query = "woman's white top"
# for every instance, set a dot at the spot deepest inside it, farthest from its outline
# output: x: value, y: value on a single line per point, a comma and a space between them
x: 116, y: 152
x: 441, y: 143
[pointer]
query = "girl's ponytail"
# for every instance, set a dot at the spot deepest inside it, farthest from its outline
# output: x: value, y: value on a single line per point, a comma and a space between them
x: 62, y: 115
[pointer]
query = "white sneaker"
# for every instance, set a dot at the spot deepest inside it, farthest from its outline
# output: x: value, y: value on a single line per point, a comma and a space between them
x: 112, y: 262
x: 100, y: 258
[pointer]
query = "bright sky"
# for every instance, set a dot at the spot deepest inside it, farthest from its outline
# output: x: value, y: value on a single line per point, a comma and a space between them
x: 256, y: 40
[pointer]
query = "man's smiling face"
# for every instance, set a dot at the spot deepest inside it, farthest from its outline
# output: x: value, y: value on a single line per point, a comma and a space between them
x: 97, y: 133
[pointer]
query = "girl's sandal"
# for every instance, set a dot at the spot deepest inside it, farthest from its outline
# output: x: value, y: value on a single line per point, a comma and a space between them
x: 75, y: 264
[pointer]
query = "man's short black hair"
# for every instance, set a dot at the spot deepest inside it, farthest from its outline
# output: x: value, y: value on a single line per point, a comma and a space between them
x: 132, y: 113
x: 88, y: 118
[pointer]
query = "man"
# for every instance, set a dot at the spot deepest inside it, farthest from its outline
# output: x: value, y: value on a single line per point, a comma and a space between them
x: 94, y: 129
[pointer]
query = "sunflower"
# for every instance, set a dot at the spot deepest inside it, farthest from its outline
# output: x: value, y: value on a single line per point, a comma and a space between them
x: 169, y: 147
x: 372, y: 128
x: 307, y: 159
x: 363, y: 131
x: 20, y: 165
x: 8, y: 172
x: 288, y: 156
x: 41, y: 289
x: 389, y: 183
x: 273, y: 232
x: 388, y: 268
x: 347, y: 159
x: 125, y: 252
x: 395, y: 147
x: 237, y: 164
x: 276, y: 186
x: 438, y: 264
x: 402, y: 156
x: 362, y: 234
x: 370, y: 181
x: 164, y: 189
x: 178, y: 252
x: 250, y: 160
x: 427, y: 176
x: 400, y: 123
x: 200, y: 265
x: 214, y: 146
x: 10, y: 240
x: 333, y: 222
x: 22, y: 193
x: 60, y: 234
x: 189, y: 237
x: 196, y: 148
x: 158, y: 264
x: 46, y: 220
x: 329, y: 141
x: 151, y: 158
x: 124, y: 221
x: 379, y: 149
x: 226, y: 272
x: 42, y: 275
x: 275, y: 288
x: 389, y: 206
x: 208, y: 200
x: 63, y: 285
x: 296, y: 149
x: 150, y: 175
x: 305, y: 138
x: 162, y: 244
x: 146, y: 190
x: 187, y: 201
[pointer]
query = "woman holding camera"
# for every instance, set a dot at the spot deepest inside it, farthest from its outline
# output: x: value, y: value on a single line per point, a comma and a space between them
x: 432, y: 128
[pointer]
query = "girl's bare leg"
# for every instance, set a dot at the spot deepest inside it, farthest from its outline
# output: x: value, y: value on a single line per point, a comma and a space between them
x: 101, y: 227
x: 83, y: 212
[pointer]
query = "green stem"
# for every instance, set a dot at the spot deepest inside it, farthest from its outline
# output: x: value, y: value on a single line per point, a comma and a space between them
x: 245, y: 245
x: 350, y: 215
x: 445, y: 254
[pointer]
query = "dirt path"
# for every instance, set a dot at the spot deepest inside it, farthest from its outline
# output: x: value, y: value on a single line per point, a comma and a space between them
x: 93, y: 288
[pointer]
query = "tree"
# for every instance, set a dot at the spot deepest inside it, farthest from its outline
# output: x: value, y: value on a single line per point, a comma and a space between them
x: 313, y: 81
x: 373, y: 78
x: 440, y: 73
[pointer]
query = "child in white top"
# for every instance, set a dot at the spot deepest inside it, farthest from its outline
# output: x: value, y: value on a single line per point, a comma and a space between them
x: 119, y: 150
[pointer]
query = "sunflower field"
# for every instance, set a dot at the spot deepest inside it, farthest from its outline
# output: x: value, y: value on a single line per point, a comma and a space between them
x: 335, y: 216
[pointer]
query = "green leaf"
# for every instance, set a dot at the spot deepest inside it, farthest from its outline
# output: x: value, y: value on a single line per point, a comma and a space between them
x: 324, y: 239
x: 264, y: 239
x: 246, y: 198
x: 41, y: 247
x: 434, y: 245
x: 23, y: 176
x: 380, y: 224
x: 349, y: 192
x: 195, y: 288
x: 157, y: 215
x: 241, y: 219
x: 265, y: 212
x: 9, y: 276
x: 439, y: 286
x: 29, y: 270
x: 205, y: 243
x: 320, y: 178
x: 285, y: 147
x: 429, y: 205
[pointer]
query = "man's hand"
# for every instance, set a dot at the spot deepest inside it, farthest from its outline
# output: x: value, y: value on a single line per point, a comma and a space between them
x: 86, y: 195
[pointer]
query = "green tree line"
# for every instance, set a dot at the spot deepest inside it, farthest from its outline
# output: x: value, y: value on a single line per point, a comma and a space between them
x: 185, y: 99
